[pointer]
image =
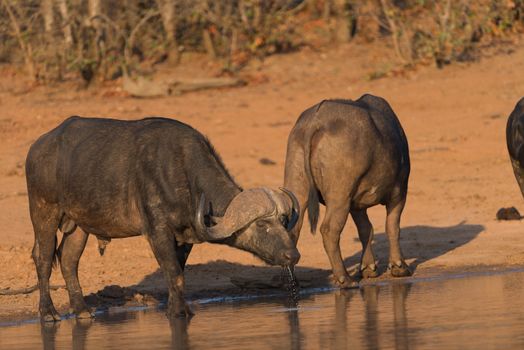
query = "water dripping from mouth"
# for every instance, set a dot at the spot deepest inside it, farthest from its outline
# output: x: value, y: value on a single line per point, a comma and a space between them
x: 292, y: 287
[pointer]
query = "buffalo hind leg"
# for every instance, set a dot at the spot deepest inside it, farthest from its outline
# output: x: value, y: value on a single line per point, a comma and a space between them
x: 182, y: 253
x: 368, y: 266
x: 71, y: 249
x: 162, y: 243
x: 45, y: 224
x: 331, y: 229
x: 397, y: 265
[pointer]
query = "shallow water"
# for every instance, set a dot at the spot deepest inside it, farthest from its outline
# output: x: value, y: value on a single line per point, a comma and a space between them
x: 471, y: 312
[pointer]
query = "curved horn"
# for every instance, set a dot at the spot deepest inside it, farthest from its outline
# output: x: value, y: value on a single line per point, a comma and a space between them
x: 200, y: 225
x: 244, y: 208
x: 295, y: 210
x: 209, y: 233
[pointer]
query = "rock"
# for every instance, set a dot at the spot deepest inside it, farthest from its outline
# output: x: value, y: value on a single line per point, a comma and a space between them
x: 112, y: 292
x: 266, y: 161
x: 508, y: 214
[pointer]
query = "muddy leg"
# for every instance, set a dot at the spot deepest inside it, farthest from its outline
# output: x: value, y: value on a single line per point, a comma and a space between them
x: 71, y: 248
x: 331, y: 229
x: 397, y: 265
x: 368, y: 267
x: 162, y: 242
x: 182, y: 253
x: 45, y: 223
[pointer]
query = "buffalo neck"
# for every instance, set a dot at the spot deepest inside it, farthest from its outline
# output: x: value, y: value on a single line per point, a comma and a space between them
x: 209, y: 176
x: 220, y: 194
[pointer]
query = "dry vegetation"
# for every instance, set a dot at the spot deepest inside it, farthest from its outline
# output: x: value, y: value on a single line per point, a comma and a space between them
x: 100, y: 40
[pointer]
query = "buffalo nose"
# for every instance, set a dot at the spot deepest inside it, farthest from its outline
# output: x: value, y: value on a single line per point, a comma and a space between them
x: 292, y: 255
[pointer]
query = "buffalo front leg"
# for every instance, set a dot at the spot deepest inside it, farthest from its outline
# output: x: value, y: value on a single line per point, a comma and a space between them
x: 331, y: 229
x: 71, y: 248
x: 368, y: 266
x: 163, y: 243
x: 397, y: 265
x: 45, y: 221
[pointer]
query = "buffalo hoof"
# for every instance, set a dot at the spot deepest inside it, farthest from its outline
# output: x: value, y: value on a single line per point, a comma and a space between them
x: 345, y: 282
x: 399, y: 269
x: 84, y: 314
x: 181, y: 311
x: 369, y: 271
x: 50, y: 315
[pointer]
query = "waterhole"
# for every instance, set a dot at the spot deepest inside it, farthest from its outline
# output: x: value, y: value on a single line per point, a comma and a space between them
x: 482, y: 311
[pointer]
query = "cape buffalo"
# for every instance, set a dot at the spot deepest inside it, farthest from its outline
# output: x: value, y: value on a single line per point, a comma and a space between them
x: 155, y: 177
x: 349, y: 156
x: 515, y: 141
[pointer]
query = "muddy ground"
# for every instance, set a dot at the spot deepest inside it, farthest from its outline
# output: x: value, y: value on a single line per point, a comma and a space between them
x: 454, y: 119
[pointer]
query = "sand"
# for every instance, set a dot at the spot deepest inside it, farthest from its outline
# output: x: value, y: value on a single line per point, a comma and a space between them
x: 454, y: 118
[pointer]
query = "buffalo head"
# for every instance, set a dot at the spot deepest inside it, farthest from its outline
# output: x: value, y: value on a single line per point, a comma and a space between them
x: 257, y: 220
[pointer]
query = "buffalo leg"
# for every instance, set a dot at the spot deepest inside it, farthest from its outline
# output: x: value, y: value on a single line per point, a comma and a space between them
x: 45, y: 224
x: 397, y: 265
x: 162, y: 242
x: 519, y: 174
x: 331, y: 229
x: 71, y: 248
x: 182, y: 253
x: 368, y: 267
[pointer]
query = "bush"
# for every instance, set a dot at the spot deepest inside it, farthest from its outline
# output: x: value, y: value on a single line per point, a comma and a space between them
x: 95, y: 39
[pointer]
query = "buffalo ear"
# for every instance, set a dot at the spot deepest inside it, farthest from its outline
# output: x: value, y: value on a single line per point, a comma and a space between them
x: 295, y: 209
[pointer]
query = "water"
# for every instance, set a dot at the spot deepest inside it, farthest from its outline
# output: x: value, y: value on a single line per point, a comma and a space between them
x: 471, y: 312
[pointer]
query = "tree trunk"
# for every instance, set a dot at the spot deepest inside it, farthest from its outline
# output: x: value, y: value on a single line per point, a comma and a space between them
x: 342, y: 32
x: 208, y: 44
x: 64, y: 12
x: 47, y: 14
x: 26, y: 48
x: 95, y: 10
x: 98, y: 44
x: 169, y: 21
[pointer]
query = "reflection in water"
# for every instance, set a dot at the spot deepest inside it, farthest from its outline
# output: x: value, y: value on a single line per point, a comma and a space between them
x: 48, y: 333
x: 80, y: 332
x: 179, y: 336
x: 294, y: 329
x: 474, y: 312
x: 399, y: 292
x: 370, y: 329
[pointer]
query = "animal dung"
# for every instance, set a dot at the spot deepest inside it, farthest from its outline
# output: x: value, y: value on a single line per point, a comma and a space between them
x: 508, y: 214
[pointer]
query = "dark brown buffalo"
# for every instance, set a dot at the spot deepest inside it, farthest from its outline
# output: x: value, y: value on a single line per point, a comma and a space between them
x: 349, y: 156
x: 154, y: 177
x: 515, y: 142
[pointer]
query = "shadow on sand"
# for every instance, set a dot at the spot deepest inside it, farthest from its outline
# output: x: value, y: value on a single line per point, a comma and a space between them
x: 226, y: 279
x: 421, y: 243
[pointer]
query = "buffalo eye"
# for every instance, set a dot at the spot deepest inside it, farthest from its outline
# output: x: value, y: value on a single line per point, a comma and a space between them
x: 261, y: 224
x: 284, y: 220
